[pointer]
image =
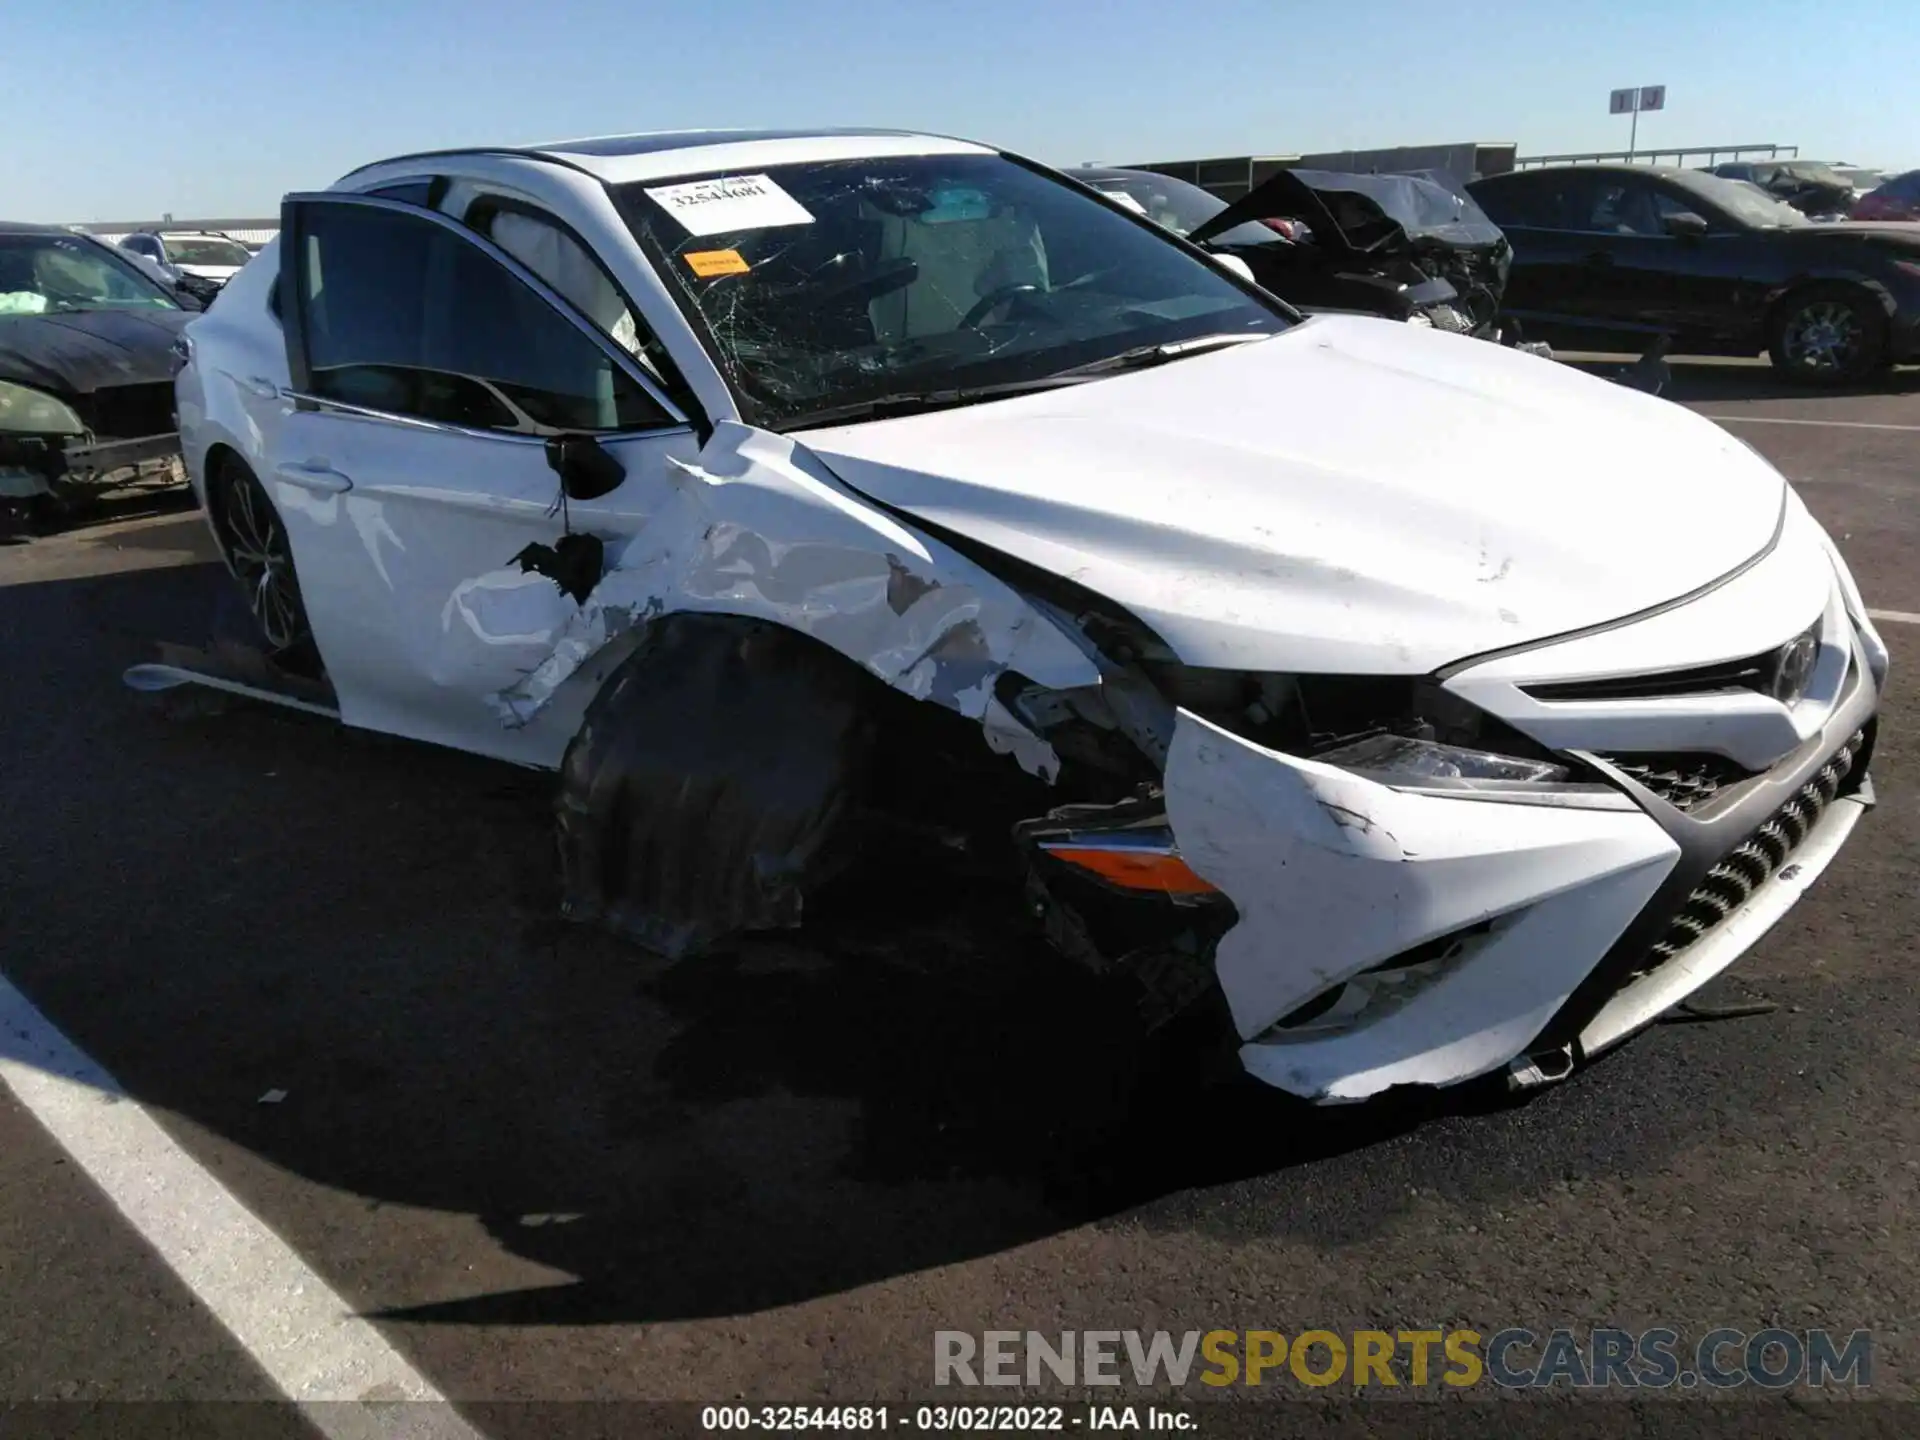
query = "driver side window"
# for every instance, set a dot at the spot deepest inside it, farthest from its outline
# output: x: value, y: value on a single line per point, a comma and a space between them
x: 1625, y: 208
x: 403, y: 315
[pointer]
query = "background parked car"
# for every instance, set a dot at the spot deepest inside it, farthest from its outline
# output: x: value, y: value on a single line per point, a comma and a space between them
x: 86, y: 368
x: 1896, y: 199
x: 197, y: 261
x: 1608, y: 256
x: 1811, y: 187
x: 1863, y: 178
x: 1398, y: 246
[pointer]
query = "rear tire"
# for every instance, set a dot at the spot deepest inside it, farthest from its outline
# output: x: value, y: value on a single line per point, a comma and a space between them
x: 254, y: 540
x: 1828, y: 335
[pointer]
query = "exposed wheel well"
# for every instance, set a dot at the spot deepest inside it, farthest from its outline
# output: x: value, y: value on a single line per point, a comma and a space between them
x: 218, y: 454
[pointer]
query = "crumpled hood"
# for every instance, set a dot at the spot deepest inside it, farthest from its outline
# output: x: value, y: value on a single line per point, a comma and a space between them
x: 78, y: 352
x: 1353, y: 495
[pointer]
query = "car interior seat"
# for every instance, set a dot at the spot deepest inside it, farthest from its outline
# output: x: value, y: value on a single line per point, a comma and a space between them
x: 959, y: 262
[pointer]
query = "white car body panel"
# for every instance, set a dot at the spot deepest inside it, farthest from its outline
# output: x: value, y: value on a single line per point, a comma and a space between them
x: 1785, y: 593
x: 1349, y: 497
x: 1352, y: 496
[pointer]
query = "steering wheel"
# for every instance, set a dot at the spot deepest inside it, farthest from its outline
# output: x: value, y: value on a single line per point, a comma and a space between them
x: 993, y: 300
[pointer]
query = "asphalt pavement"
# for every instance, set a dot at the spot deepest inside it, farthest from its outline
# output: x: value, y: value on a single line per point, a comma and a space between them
x: 526, y: 1164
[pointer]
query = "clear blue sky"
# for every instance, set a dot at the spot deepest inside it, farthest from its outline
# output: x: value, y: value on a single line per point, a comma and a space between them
x: 122, y: 109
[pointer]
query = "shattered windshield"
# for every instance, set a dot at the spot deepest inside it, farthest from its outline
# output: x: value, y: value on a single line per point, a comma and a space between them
x: 206, y: 250
x: 42, y: 273
x: 822, y: 286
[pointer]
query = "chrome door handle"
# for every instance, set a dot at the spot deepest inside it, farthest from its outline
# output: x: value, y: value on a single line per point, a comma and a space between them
x: 262, y: 386
x: 322, y: 479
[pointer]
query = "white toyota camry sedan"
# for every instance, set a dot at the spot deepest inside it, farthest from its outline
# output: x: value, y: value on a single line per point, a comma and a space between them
x: 1426, y: 710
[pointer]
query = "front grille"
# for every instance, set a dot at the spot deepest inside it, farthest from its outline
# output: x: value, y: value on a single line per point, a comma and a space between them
x: 1754, y: 672
x: 129, y: 412
x: 1685, y: 781
x: 1750, y: 864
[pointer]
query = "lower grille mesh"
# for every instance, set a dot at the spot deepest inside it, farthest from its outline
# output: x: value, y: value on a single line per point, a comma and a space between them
x: 1732, y: 882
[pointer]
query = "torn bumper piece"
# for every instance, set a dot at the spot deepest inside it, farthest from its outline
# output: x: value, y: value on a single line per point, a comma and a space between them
x: 1388, y: 938
x: 1465, y: 924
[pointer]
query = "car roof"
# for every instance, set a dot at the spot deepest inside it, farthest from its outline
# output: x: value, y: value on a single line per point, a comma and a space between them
x: 1664, y: 172
x: 27, y: 227
x: 620, y: 159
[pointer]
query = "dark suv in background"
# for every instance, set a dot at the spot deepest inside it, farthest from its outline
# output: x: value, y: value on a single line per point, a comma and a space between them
x: 1609, y: 257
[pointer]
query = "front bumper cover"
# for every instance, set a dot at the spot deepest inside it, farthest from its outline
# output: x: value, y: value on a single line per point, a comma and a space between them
x: 1548, y: 916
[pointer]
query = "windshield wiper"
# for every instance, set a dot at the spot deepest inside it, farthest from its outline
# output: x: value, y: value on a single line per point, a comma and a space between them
x: 919, y: 402
x: 1142, y: 356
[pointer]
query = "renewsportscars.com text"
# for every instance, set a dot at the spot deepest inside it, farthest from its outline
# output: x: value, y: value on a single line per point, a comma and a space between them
x: 1602, y: 1358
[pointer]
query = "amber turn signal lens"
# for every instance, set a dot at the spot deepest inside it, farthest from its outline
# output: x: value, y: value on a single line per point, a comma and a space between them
x: 1133, y: 868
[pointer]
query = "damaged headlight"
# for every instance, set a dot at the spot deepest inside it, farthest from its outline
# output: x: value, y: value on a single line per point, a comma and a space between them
x: 1427, y: 766
x: 30, y: 412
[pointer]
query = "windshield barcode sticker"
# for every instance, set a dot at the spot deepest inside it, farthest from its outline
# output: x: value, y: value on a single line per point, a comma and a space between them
x: 732, y: 202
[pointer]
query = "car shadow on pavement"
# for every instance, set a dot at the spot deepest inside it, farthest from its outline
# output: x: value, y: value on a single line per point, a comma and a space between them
x: 230, y: 901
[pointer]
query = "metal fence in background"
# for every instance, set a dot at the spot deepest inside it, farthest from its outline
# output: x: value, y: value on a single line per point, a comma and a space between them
x: 1714, y: 155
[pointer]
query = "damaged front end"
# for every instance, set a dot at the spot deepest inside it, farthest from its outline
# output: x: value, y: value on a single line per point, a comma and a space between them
x: 1410, y: 247
x: 1317, y: 853
x: 60, y: 448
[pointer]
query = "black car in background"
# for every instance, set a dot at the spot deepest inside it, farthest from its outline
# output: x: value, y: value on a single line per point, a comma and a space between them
x: 1405, y: 247
x: 1608, y: 257
x: 86, y: 369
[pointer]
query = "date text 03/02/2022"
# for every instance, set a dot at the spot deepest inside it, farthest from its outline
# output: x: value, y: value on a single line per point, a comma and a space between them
x: 988, y: 1418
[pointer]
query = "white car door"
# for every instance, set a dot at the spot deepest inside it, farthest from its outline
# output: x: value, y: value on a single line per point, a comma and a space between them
x: 429, y: 371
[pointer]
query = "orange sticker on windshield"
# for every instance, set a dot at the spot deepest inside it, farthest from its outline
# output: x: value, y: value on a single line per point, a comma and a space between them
x: 709, y: 263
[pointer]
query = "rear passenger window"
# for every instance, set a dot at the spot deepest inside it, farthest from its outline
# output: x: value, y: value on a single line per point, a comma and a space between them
x: 406, y: 316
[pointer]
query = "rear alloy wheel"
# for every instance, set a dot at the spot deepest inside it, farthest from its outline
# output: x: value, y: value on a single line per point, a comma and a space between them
x: 255, y: 540
x: 1829, y: 334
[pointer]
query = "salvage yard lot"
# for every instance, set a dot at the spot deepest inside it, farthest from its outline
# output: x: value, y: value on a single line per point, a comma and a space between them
x: 547, y: 1167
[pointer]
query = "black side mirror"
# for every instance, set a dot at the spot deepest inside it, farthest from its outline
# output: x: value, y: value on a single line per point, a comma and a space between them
x: 1686, y: 225
x: 586, y: 471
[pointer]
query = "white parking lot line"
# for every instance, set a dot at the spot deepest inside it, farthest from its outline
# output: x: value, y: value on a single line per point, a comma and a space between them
x: 1899, y: 617
x: 313, y: 1348
x: 1783, y: 420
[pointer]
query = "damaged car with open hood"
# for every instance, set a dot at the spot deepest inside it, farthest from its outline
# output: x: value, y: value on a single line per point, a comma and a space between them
x: 1411, y: 247
x: 762, y: 484
x: 86, y: 371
